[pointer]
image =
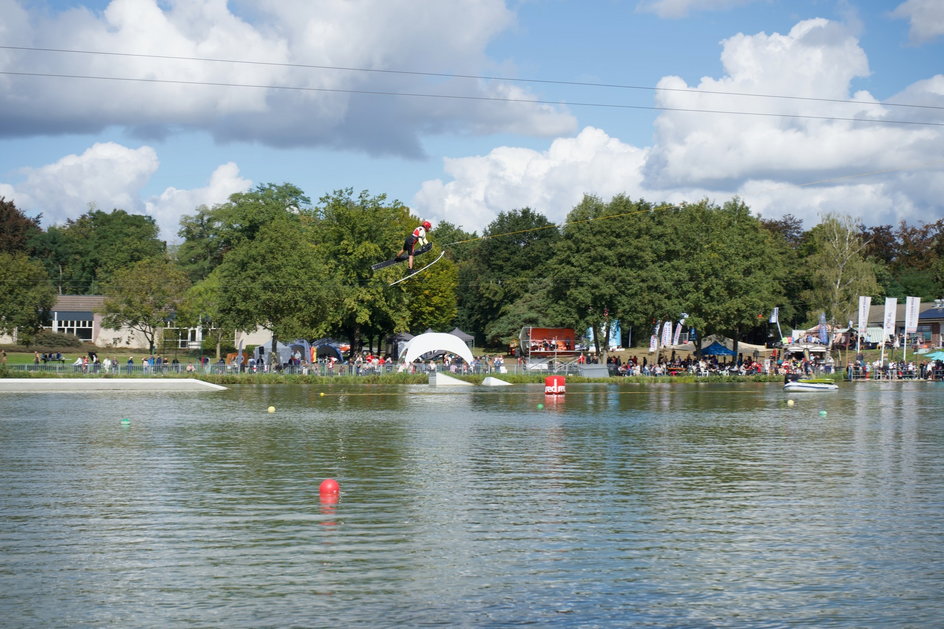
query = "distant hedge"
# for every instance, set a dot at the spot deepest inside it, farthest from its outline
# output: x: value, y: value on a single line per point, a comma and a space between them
x: 53, y: 340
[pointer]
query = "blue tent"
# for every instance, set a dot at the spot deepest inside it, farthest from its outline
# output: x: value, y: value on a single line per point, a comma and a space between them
x: 716, y: 349
x: 328, y: 348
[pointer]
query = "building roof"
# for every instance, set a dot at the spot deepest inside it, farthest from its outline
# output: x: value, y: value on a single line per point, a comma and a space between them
x: 79, y: 303
x: 935, y: 312
x: 928, y: 310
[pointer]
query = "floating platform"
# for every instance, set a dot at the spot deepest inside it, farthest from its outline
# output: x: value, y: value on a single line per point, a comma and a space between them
x: 78, y: 385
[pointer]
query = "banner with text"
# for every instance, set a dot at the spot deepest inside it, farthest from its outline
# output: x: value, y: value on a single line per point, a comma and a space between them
x: 864, y: 304
x: 666, y: 333
x: 891, y: 314
x: 912, y: 305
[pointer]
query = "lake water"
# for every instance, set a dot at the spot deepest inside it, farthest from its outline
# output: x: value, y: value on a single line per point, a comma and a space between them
x: 669, y: 506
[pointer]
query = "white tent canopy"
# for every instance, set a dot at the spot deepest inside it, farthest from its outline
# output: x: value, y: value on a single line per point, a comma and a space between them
x: 436, y: 342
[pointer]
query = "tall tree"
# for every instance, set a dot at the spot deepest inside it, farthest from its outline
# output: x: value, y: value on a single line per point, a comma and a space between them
x: 358, y: 231
x: 617, y: 261
x: 788, y: 227
x: 202, y: 248
x: 27, y: 294
x: 144, y: 297
x: 211, y: 232
x: 455, y: 240
x: 201, y: 306
x: 16, y: 229
x: 282, y: 280
x: 837, y: 267
x: 731, y: 280
x: 501, y: 267
x: 788, y: 246
x: 81, y: 255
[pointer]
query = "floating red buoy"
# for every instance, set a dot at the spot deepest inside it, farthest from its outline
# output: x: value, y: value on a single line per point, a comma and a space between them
x: 329, y: 487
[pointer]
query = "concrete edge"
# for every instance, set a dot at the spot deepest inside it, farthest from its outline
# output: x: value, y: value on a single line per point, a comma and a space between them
x: 64, y: 385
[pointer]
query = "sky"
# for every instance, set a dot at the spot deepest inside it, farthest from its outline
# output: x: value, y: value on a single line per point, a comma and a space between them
x: 462, y: 109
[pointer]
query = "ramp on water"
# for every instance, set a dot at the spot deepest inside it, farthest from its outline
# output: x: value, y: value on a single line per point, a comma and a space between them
x: 495, y: 382
x: 442, y: 380
x: 65, y: 385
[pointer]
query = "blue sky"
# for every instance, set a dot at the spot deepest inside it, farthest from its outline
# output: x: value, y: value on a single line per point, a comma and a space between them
x: 537, y: 128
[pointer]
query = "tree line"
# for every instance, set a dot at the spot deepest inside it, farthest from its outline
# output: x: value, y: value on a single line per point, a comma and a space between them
x: 270, y: 257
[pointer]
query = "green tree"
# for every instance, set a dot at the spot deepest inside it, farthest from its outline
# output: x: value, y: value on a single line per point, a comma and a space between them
x: 502, y: 266
x: 27, y: 294
x: 838, y: 270
x: 202, y: 248
x: 212, y: 232
x: 618, y: 261
x: 200, y: 306
x: 81, y: 255
x: 788, y: 245
x: 358, y: 232
x: 282, y: 280
x: 16, y: 229
x: 143, y: 297
x: 731, y: 280
x: 456, y: 241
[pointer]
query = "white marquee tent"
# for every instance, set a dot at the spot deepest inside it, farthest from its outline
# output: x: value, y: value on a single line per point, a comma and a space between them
x: 436, y: 342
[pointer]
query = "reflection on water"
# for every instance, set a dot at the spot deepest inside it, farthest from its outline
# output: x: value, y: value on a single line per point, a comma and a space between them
x: 675, y: 505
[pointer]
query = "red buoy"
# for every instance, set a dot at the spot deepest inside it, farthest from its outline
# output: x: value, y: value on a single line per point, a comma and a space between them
x: 329, y: 487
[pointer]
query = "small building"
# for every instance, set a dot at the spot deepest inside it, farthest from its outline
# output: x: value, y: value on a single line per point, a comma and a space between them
x: 930, y: 321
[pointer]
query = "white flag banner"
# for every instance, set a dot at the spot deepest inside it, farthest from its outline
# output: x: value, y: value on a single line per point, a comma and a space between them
x: 666, y: 333
x: 775, y: 315
x: 864, y: 304
x: 912, y: 305
x: 678, y: 333
x: 653, y: 343
x: 891, y: 314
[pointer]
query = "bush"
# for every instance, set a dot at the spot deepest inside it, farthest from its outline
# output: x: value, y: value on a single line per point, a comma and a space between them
x: 54, y: 340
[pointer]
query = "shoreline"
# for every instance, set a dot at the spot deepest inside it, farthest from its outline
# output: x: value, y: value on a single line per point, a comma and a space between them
x: 67, y: 384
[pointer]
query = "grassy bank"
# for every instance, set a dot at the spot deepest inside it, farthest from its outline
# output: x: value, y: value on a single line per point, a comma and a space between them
x: 394, y: 378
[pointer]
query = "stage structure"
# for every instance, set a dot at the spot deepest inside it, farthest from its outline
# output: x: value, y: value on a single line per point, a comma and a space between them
x: 549, y: 349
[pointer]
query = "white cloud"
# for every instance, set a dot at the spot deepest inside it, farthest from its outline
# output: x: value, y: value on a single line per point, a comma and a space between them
x: 106, y: 175
x: 766, y: 160
x: 172, y: 204
x: 111, y: 176
x: 926, y: 19
x: 381, y: 34
x: 551, y: 182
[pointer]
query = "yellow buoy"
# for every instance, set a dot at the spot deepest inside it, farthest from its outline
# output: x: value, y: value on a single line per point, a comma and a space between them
x: 271, y: 409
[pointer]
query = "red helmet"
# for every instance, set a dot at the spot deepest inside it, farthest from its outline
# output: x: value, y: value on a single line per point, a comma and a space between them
x: 427, y: 225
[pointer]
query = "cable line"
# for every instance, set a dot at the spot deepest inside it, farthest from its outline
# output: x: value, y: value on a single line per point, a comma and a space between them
x: 481, y: 77
x: 501, y: 99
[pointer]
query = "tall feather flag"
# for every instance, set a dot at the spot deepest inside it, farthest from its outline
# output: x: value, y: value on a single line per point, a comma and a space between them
x: 912, y: 305
x: 775, y: 315
x: 666, y: 333
x: 678, y: 329
x: 865, y: 302
x: 891, y: 314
